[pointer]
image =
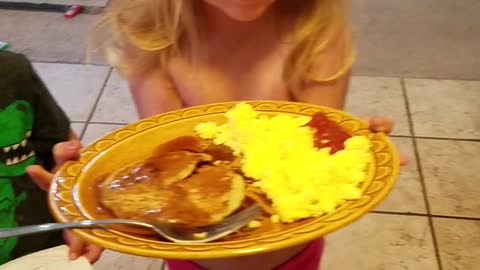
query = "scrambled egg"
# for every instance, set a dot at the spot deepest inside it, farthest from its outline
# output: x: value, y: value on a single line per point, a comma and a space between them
x: 300, y: 180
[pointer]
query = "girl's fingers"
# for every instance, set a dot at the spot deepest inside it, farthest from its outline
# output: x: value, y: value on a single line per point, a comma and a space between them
x: 66, y: 151
x: 75, y: 244
x: 67, y: 236
x: 40, y: 176
x: 80, y: 248
x: 403, y: 160
x: 380, y: 124
x: 92, y: 253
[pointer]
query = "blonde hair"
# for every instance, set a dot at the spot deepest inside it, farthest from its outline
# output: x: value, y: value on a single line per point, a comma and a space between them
x: 138, y: 35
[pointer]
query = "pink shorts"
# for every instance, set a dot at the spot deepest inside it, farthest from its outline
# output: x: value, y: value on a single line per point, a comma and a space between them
x: 308, y: 259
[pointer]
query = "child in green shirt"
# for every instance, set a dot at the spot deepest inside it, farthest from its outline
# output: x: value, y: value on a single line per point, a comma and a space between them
x: 31, y: 123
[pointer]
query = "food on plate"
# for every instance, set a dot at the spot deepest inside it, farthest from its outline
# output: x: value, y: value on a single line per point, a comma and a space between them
x: 293, y: 167
x: 280, y: 153
x: 178, y: 186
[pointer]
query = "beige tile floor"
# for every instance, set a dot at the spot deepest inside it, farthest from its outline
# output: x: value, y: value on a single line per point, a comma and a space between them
x: 431, y: 220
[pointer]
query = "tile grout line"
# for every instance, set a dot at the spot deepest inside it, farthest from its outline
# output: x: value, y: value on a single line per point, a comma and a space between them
x: 69, y: 63
x: 424, y: 215
x: 415, y: 78
x: 79, y: 134
x: 359, y: 75
x: 94, y: 108
x: 84, y: 128
x: 366, y: 76
x: 435, y: 138
x: 420, y: 173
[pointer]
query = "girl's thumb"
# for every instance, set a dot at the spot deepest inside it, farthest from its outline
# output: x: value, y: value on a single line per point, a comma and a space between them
x: 66, y: 151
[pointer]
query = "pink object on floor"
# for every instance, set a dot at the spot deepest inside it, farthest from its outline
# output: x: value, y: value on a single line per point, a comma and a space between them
x: 72, y: 12
x: 308, y: 259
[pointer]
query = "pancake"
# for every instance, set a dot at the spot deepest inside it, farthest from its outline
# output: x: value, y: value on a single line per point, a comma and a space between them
x: 175, y: 186
x: 163, y: 169
x: 216, y: 190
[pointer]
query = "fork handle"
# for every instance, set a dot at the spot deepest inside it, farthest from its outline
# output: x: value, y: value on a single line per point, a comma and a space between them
x: 33, y: 229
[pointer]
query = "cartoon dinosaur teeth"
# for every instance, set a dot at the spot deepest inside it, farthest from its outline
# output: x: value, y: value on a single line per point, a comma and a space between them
x: 15, y: 146
x: 23, y: 143
x: 15, y: 160
x: 10, y: 161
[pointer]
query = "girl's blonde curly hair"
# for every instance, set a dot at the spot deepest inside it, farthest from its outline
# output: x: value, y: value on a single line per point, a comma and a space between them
x: 139, y: 35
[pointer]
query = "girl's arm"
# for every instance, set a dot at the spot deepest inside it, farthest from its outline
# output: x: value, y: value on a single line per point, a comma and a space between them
x: 326, y: 94
x: 154, y: 94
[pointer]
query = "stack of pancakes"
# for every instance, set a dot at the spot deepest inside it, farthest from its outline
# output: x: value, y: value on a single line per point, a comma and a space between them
x: 186, y: 181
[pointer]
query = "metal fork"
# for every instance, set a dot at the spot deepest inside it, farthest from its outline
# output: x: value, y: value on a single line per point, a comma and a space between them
x: 173, y: 232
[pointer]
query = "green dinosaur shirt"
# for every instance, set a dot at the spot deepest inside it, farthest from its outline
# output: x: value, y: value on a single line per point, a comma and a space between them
x: 31, y: 123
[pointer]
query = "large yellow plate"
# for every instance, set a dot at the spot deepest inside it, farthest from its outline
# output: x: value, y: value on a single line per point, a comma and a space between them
x: 73, y: 188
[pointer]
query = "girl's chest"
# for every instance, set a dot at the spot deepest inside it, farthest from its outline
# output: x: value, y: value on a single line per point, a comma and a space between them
x: 250, y: 72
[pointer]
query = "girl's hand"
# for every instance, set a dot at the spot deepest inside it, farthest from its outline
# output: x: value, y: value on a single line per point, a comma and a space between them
x: 79, y: 248
x: 382, y: 124
x: 63, y: 152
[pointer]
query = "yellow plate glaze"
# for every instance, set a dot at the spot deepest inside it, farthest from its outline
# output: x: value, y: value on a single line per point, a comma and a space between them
x: 72, y: 190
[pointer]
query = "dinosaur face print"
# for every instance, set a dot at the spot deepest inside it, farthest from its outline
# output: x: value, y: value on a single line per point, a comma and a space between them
x: 16, y: 122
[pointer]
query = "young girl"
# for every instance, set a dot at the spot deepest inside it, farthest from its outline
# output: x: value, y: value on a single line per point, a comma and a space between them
x: 189, y: 52
x: 179, y: 53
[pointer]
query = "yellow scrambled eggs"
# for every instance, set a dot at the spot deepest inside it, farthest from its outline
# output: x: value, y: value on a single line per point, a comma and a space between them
x: 300, y: 180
